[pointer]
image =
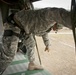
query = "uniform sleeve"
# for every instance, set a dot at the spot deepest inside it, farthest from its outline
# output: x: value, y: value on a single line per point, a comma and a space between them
x: 46, y: 39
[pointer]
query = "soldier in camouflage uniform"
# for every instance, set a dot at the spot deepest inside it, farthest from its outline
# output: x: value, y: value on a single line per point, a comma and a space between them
x: 42, y: 21
x: 10, y: 41
x: 39, y: 22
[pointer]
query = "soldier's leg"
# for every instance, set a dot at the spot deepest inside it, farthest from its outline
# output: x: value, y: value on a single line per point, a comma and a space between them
x: 21, y: 46
x: 8, y: 51
x: 30, y: 46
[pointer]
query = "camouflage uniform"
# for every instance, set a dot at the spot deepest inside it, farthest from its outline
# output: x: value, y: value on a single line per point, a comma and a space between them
x: 46, y: 40
x: 10, y: 42
x: 43, y: 17
x: 38, y: 22
x: 41, y: 22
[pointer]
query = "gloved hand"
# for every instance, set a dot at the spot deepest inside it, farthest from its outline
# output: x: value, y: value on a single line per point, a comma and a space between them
x: 47, y: 48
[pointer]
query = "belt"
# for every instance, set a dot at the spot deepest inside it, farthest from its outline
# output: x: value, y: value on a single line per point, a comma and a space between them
x: 10, y: 33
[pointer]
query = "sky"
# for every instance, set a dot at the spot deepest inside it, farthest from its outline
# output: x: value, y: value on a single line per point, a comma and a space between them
x: 53, y: 3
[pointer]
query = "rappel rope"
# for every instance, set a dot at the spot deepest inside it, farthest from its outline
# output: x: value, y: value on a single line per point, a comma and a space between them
x: 37, y: 50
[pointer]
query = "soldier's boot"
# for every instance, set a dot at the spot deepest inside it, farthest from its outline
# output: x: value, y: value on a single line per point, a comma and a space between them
x: 34, y: 66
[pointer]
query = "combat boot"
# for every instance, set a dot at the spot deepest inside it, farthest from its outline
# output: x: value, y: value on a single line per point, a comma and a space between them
x: 34, y: 66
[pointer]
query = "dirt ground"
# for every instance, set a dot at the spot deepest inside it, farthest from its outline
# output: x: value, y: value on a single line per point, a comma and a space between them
x: 61, y: 59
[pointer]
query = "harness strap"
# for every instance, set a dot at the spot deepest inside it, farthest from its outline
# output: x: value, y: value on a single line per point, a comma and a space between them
x: 10, y: 33
x: 11, y: 21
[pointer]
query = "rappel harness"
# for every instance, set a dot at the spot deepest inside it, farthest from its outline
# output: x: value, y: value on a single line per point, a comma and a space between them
x: 11, y: 21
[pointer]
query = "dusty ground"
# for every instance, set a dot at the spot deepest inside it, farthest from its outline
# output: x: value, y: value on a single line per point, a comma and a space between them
x: 61, y: 60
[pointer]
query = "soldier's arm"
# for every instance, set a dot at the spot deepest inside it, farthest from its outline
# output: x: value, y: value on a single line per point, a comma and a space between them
x: 46, y: 42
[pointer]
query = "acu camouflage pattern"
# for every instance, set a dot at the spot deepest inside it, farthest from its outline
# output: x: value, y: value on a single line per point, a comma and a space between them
x: 46, y: 40
x: 39, y: 21
x: 9, y: 47
x: 10, y: 43
x: 35, y: 22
